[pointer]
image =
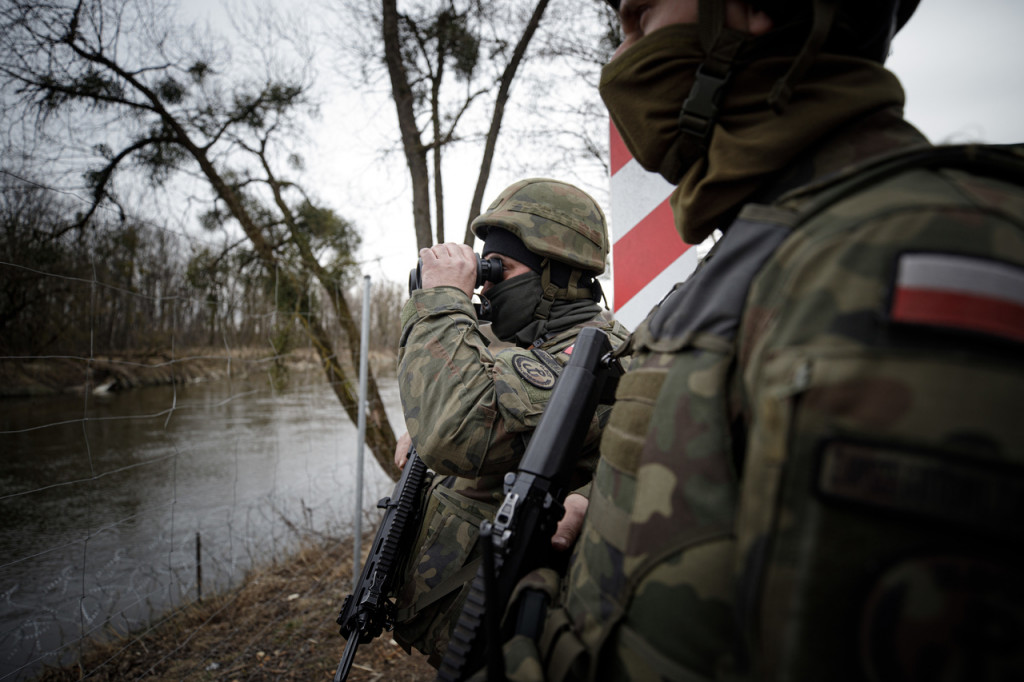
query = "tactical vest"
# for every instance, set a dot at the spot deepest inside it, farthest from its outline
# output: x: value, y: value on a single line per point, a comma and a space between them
x: 446, y: 553
x: 815, y: 466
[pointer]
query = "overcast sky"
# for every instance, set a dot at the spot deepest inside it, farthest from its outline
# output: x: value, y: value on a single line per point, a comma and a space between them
x: 961, y: 64
x: 962, y: 67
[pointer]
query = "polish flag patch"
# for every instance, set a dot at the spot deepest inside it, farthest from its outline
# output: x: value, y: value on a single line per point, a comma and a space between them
x: 568, y: 350
x: 960, y: 292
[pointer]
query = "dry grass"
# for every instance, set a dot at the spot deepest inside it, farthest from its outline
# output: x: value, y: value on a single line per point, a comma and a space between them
x: 279, y: 625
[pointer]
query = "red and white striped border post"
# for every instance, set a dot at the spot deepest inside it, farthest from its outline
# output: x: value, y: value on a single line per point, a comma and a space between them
x: 648, y: 255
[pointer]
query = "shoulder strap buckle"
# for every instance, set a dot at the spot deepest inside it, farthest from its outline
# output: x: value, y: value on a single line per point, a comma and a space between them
x: 700, y: 109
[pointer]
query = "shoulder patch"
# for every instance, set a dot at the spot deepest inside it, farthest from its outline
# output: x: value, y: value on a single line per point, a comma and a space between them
x: 533, y: 371
x: 548, y: 360
x: 959, y: 292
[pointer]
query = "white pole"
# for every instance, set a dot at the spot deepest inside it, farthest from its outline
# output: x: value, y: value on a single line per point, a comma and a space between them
x: 363, y: 375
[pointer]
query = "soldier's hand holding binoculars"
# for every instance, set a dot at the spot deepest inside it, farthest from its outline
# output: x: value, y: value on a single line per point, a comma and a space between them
x: 449, y: 264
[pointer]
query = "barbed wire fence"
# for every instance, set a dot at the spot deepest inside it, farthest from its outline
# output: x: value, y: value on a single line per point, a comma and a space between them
x: 138, y: 477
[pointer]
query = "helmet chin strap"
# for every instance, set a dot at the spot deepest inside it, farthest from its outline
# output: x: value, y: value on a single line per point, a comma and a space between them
x: 722, y: 45
x: 700, y: 110
x: 824, y: 16
x: 572, y: 292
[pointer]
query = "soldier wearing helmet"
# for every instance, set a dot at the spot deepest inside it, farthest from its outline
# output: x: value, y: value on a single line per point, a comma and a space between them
x: 473, y: 393
x: 800, y: 475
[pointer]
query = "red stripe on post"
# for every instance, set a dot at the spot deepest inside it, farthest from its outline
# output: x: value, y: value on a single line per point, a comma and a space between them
x: 619, y: 154
x: 644, y: 252
x: 957, y: 310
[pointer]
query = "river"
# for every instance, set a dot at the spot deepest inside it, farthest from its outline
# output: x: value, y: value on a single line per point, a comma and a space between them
x: 103, y: 499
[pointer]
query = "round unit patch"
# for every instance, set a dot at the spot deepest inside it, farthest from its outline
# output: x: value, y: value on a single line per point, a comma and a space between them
x: 533, y: 371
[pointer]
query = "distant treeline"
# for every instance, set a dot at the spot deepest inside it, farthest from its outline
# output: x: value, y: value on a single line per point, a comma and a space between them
x: 117, y: 285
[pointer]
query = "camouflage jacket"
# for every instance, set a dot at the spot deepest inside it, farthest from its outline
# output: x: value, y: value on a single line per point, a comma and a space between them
x: 470, y: 407
x: 470, y: 404
x: 772, y: 321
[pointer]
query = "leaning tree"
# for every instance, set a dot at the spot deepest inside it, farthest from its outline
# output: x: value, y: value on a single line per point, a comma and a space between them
x: 150, y: 95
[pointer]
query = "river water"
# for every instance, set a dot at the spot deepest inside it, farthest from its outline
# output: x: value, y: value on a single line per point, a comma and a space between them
x: 104, y: 498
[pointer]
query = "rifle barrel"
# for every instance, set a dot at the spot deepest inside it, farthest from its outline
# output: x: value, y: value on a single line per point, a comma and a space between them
x: 347, y: 658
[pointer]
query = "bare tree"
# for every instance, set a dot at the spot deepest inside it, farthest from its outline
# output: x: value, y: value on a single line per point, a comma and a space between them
x: 167, y: 103
x: 452, y: 68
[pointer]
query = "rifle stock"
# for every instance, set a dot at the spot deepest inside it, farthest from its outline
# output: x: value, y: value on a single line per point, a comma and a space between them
x: 523, y: 525
x: 368, y: 610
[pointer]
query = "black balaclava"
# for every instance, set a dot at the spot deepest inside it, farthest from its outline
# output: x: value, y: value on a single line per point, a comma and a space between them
x: 514, y: 302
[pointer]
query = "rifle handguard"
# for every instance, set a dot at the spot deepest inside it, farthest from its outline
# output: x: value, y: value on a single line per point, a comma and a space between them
x: 526, y: 520
x: 368, y: 611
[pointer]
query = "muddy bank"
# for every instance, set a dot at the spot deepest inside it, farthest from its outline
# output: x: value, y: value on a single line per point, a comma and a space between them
x: 34, y: 376
x: 278, y: 625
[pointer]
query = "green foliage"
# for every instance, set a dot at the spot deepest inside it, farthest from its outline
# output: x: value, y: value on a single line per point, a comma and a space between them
x: 432, y: 41
x: 170, y: 90
x: 161, y: 156
x: 199, y: 70
x: 214, y: 219
x: 97, y: 87
x: 116, y: 71
x: 451, y: 33
x: 254, y: 109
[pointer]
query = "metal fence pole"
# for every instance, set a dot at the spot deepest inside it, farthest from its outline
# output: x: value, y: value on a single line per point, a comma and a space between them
x: 199, y: 567
x: 363, y: 374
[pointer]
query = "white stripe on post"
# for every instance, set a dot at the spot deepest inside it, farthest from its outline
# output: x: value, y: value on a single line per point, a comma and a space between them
x: 648, y: 255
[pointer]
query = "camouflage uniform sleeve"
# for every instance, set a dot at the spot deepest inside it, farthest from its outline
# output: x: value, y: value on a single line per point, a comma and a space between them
x: 465, y: 407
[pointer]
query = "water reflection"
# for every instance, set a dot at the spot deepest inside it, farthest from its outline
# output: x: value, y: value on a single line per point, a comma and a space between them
x: 102, y: 498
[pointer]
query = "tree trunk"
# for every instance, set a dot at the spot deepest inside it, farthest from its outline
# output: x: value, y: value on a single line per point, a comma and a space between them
x: 415, y: 152
x: 499, y: 111
x: 435, y: 105
x: 381, y: 437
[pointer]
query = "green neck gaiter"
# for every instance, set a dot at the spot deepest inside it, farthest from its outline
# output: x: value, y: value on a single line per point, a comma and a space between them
x: 644, y: 90
x: 512, y: 304
x: 564, y: 315
x: 751, y: 142
x: 514, y: 301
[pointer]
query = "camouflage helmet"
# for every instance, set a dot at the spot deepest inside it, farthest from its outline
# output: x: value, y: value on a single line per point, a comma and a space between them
x: 861, y: 28
x: 553, y: 219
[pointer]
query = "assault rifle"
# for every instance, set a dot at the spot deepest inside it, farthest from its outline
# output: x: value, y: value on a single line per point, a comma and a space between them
x: 368, y: 610
x: 519, y: 539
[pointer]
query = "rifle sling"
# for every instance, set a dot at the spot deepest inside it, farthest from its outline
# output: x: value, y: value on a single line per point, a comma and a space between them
x: 443, y: 588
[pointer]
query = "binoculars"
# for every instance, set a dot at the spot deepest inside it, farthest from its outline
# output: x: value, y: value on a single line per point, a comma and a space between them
x: 489, y: 270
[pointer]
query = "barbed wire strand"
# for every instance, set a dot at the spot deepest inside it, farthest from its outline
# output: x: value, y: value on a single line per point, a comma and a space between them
x: 100, y: 519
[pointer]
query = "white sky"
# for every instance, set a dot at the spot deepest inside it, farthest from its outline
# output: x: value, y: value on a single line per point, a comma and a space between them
x: 961, y: 64
x: 962, y: 67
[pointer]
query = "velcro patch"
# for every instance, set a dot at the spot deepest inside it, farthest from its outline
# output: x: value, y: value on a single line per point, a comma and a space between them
x: 959, y: 292
x: 921, y: 484
x: 548, y: 360
x: 534, y: 371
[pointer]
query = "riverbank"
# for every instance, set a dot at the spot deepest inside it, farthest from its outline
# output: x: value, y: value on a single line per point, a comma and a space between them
x: 49, y: 375
x: 278, y: 625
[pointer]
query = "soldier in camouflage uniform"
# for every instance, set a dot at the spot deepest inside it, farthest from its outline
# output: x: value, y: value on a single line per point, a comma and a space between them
x: 815, y: 465
x: 472, y: 394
